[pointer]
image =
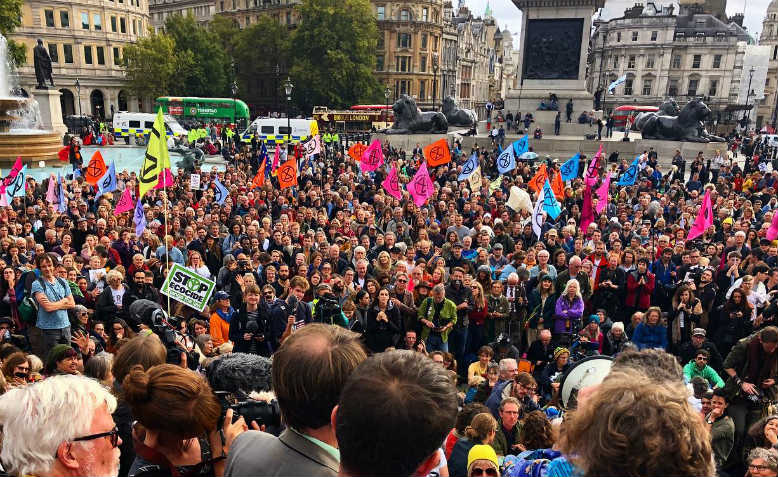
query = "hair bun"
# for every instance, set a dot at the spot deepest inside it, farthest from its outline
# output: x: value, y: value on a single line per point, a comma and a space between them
x: 135, y: 388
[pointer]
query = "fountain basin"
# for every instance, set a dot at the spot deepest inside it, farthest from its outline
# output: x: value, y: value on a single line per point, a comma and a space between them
x: 31, y: 145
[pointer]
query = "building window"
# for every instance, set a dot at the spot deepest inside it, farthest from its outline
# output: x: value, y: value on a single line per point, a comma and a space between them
x: 53, y: 53
x: 628, y: 87
x: 380, y: 44
x: 288, y: 18
x: 97, y: 21
x: 714, y: 85
x: 67, y: 52
x: 404, y: 64
x: 100, y: 55
x: 647, y: 87
x: 618, y: 37
x: 49, y: 14
x: 615, y: 62
x: 717, y: 61
x: 122, y: 25
x: 693, y: 83
x: 117, y: 56
x: 221, y: 6
x: 631, y: 62
x: 423, y: 41
x: 672, y: 87
x: 85, y: 21
x: 404, y: 40
x: 87, y: 54
x: 405, y: 15
x: 425, y: 14
x: 64, y: 19
x: 113, y: 24
x: 379, y: 62
x: 696, y: 60
x: 380, y: 12
x: 422, y: 89
x: 649, y: 61
x: 634, y: 36
x: 654, y: 35
x: 402, y: 87
x: 676, y: 63
x: 423, y: 64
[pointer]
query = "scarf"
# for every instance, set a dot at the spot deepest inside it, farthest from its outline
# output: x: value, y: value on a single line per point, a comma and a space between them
x: 760, y: 366
x: 225, y: 316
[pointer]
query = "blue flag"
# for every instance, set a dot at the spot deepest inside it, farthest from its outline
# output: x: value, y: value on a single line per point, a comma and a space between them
x: 139, y: 217
x: 506, y: 161
x: 629, y: 176
x: 263, y: 154
x: 107, y: 183
x: 468, y: 167
x: 17, y: 188
x: 569, y: 169
x: 61, y: 207
x: 221, y: 193
x: 521, y: 146
x: 550, y: 204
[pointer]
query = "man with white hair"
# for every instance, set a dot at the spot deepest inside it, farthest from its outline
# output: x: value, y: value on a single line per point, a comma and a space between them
x: 61, y: 426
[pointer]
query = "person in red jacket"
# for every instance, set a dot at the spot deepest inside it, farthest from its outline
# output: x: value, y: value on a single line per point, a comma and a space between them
x: 640, y: 287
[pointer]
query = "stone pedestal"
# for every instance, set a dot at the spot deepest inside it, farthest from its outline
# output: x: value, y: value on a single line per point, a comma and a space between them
x: 555, y: 40
x: 50, y: 109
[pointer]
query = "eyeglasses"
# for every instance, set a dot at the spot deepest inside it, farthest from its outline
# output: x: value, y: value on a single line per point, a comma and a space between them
x: 490, y: 472
x: 758, y: 468
x: 701, y: 358
x: 113, y: 434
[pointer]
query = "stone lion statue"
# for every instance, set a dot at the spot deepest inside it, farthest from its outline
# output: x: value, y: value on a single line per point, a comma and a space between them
x: 456, y: 116
x: 190, y: 159
x: 687, y: 125
x: 409, y: 120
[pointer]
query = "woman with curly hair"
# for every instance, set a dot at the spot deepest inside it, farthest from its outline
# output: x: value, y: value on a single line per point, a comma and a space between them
x: 537, y: 432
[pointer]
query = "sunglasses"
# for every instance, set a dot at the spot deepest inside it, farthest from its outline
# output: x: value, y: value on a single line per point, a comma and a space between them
x: 490, y: 472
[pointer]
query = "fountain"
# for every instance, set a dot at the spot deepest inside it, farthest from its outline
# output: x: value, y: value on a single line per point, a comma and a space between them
x: 22, y: 130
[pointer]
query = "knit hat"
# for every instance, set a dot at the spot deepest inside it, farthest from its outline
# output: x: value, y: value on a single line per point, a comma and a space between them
x: 559, y: 351
x: 594, y: 318
x: 618, y: 326
x: 482, y: 452
x: 57, y: 354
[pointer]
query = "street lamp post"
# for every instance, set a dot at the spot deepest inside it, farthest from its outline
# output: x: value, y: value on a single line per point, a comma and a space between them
x: 278, y: 70
x: 387, y: 92
x: 288, y: 88
x: 747, y: 113
x: 78, y: 89
x: 234, y: 104
x: 434, y: 79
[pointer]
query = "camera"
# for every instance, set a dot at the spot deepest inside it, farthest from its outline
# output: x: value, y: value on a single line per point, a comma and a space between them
x: 327, y: 309
x: 151, y: 314
x: 265, y: 413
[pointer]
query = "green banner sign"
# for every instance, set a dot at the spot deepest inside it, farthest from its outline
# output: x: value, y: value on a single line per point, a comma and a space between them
x: 187, y: 287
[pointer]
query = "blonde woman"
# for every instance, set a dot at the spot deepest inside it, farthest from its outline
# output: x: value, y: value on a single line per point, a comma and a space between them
x: 569, y: 309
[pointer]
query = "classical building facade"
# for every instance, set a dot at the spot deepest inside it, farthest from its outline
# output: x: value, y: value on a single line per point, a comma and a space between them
x: 201, y: 10
x: 769, y: 38
x: 665, y: 55
x: 86, y: 41
x: 247, y: 12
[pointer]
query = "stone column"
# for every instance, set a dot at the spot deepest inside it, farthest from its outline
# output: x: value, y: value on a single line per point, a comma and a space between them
x: 50, y: 109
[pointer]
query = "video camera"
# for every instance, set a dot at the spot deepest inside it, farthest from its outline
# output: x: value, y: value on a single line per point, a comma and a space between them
x: 151, y: 314
x: 265, y: 413
x: 327, y: 309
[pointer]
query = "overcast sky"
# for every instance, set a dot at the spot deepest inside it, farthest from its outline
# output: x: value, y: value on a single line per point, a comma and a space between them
x: 507, y: 14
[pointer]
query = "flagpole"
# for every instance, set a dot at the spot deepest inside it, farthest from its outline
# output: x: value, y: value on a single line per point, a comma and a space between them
x: 167, y: 252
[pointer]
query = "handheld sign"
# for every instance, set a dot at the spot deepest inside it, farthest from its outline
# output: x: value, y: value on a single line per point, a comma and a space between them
x: 187, y: 287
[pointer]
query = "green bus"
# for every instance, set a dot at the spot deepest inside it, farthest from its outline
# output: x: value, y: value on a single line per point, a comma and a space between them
x: 205, y: 110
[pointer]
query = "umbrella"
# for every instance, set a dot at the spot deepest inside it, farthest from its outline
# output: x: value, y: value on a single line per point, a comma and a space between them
x: 528, y: 156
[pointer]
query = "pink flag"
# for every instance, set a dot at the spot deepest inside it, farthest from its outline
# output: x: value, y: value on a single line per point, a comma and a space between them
x: 587, y: 215
x: 392, y: 185
x: 277, y: 157
x: 373, y: 157
x: 125, y: 202
x: 421, y: 186
x: 3, y: 196
x: 14, y: 172
x: 704, y: 218
x: 772, y: 232
x: 602, y: 193
x: 165, y: 181
x: 51, y: 192
x: 591, y: 175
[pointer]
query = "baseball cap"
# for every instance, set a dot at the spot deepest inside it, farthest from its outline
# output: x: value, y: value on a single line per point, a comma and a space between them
x: 699, y: 332
x: 221, y: 295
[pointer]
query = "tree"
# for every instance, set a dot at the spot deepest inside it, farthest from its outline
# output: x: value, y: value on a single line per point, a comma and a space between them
x: 10, y: 18
x: 255, y: 73
x: 226, y: 30
x: 153, y: 65
x: 210, y: 75
x: 333, y: 54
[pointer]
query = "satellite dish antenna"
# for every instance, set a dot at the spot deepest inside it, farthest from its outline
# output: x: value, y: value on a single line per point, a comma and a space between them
x: 586, y: 372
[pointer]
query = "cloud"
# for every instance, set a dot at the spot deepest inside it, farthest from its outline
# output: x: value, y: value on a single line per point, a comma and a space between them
x: 506, y: 13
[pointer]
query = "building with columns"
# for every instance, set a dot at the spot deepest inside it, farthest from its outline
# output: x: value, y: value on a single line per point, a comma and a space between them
x: 86, y: 40
x: 769, y: 38
x: 201, y: 10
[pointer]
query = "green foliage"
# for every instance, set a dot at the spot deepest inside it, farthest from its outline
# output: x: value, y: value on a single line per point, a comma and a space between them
x: 17, y: 53
x: 10, y: 15
x: 333, y: 54
x: 211, y: 73
x: 270, y: 38
x: 226, y: 30
x: 153, y: 65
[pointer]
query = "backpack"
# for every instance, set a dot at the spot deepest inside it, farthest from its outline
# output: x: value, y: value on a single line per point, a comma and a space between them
x: 28, y: 308
x: 531, y: 463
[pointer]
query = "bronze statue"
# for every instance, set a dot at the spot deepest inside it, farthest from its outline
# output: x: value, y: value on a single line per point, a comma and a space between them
x: 456, y: 116
x: 42, y: 65
x: 409, y: 120
x: 687, y: 125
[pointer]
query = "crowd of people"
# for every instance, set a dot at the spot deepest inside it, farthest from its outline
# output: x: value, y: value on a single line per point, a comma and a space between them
x: 357, y: 333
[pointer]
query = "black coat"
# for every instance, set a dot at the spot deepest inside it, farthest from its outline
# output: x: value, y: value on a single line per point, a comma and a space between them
x: 380, y: 335
x: 239, y: 327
